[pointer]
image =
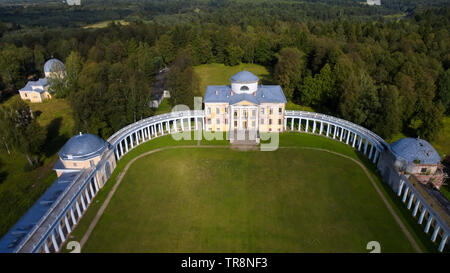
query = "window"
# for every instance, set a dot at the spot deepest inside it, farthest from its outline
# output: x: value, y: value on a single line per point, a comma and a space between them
x: 423, y: 170
x: 270, y: 121
x: 26, y: 95
x: 209, y: 110
x: 271, y: 110
x: 226, y: 121
x: 217, y: 110
x: 218, y: 121
x: 262, y: 111
x: 235, y: 113
x: 279, y: 121
x: 280, y: 110
x: 244, y: 88
x: 270, y: 129
x: 235, y: 123
x: 254, y: 113
x: 74, y: 164
x: 226, y: 110
x: 262, y: 121
x: 208, y: 121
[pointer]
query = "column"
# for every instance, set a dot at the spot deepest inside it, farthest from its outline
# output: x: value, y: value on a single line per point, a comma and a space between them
x: 360, y: 143
x: 371, y: 150
x: 83, y: 204
x: 46, y: 247
x: 189, y: 123
x: 95, y: 184
x: 321, y: 128
x: 285, y: 123
x: 416, y: 208
x: 121, y: 148
x: 92, y: 190
x: 88, y: 199
x: 427, y: 227
x: 435, y: 233
x: 328, y: 129
x: 126, y: 144
x: 355, y: 136
x: 299, y: 124
x: 348, y: 137
x: 116, y: 149
x: 405, y: 194
x: 402, y: 183
x: 377, y: 153
x: 307, y: 125
x: 168, y: 127
x: 55, y: 245
x: 72, y: 214
x: 334, y: 133
x: 443, y: 242
x: 422, y: 216
x: 61, y: 234
x: 410, y: 200
x: 182, y: 124
x: 67, y: 224
x: 292, y: 124
x: 196, y: 125
x: 149, y: 133
x: 132, y: 141
x: 314, y: 127
x: 78, y: 209
x: 365, y: 146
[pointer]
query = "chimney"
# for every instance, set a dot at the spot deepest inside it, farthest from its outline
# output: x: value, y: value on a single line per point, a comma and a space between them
x: 254, y: 94
x: 232, y: 93
x: 217, y: 92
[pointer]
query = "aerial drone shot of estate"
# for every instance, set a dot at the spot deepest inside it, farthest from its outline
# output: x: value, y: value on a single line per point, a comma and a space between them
x: 220, y: 126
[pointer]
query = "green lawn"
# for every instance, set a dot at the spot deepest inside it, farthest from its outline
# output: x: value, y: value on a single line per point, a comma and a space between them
x: 20, y: 187
x: 290, y: 200
x: 220, y: 74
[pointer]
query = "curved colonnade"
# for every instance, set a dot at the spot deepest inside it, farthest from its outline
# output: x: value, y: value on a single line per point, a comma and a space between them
x: 55, y: 227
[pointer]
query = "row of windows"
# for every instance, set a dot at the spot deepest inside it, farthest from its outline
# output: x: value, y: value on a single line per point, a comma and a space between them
x: 280, y: 111
x: 209, y: 121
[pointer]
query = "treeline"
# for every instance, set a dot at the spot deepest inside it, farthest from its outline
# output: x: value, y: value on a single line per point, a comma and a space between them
x: 386, y: 76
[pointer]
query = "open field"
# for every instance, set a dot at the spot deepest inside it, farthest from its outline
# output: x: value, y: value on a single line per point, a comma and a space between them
x: 106, y: 23
x: 20, y: 187
x: 223, y: 200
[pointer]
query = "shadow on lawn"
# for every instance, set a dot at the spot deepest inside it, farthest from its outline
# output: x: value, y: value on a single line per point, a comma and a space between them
x: 3, y: 174
x: 54, y: 140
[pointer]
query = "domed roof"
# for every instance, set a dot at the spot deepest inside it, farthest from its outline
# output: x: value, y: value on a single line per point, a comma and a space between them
x: 412, y: 149
x: 83, y: 147
x: 53, y: 65
x: 244, y: 77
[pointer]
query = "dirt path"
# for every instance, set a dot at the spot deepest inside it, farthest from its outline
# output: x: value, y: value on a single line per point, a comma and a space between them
x: 122, y: 174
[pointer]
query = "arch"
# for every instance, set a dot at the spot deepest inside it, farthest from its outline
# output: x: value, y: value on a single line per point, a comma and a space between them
x: 244, y: 88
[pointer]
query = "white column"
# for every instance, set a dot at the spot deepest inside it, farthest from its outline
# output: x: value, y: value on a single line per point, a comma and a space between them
x: 95, y: 184
x: 55, y: 245
x: 307, y: 125
x: 321, y: 128
x: 46, y: 248
x: 314, y: 127
x: 121, y: 148
x: 196, y: 124
x: 348, y: 137
x: 126, y: 144
x: 117, y: 152
x: 435, y: 233
x: 285, y: 123
x: 299, y: 124
x: 341, y: 133
x: 402, y: 183
x: 149, y: 133
x: 88, y: 199
x: 92, y: 190
x: 83, y: 204
x: 371, y: 151
x: 443, y: 242
x: 355, y: 136
x: 72, y: 214
x: 365, y: 147
x: 422, y: 216
x: 78, y: 209
x: 377, y: 153
x: 61, y: 234
x: 334, y: 133
x: 168, y: 126
x: 405, y: 194
x: 182, y: 124
x: 292, y: 124
x: 427, y: 227
x: 132, y: 140
x: 189, y: 123
x: 67, y: 224
x: 360, y: 143
x: 416, y: 208
x: 410, y: 200
x: 328, y: 129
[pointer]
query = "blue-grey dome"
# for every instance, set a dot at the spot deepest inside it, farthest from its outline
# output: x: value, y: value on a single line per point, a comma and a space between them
x: 244, y: 77
x: 83, y: 147
x: 413, y: 149
x: 54, y: 65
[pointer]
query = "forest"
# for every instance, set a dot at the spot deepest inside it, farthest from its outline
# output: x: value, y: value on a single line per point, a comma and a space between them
x: 385, y: 68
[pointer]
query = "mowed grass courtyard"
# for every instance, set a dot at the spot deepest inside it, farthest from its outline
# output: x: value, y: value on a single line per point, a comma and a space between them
x: 295, y: 199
